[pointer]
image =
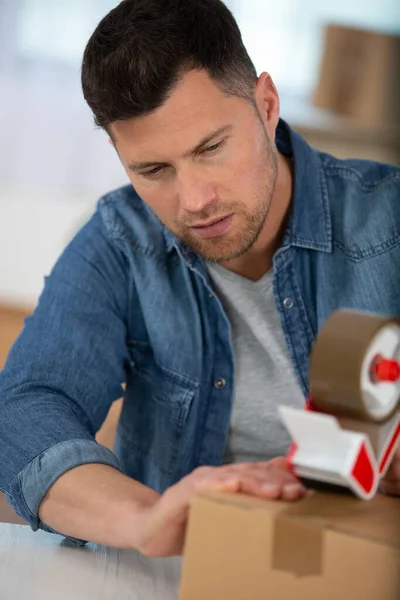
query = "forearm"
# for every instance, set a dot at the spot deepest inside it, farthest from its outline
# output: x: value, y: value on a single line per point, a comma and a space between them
x: 97, y: 503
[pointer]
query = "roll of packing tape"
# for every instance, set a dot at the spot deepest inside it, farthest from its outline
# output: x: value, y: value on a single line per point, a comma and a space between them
x: 354, y: 368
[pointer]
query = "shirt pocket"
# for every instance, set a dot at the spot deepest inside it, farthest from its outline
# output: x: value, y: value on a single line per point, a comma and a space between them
x: 156, y: 408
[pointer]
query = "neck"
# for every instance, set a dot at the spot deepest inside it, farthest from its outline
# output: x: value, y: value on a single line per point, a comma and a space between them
x: 258, y: 260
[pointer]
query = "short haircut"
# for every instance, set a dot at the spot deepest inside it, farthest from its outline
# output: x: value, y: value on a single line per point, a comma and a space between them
x: 141, y: 49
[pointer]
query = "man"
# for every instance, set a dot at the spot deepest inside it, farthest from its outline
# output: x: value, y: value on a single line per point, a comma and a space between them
x: 201, y: 287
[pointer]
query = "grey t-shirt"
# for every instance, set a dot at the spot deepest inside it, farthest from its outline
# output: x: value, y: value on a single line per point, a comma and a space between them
x: 265, y: 376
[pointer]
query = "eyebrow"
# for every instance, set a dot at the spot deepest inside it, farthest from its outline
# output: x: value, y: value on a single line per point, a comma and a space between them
x: 206, y: 140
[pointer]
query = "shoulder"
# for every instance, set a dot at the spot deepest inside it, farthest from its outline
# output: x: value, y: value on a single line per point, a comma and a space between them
x: 364, y: 201
x: 366, y: 175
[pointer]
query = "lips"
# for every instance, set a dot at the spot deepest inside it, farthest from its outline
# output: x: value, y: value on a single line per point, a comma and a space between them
x: 214, y: 228
x: 209, y: 224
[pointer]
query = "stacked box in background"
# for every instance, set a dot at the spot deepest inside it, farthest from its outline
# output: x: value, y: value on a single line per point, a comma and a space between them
x: 360, y: 75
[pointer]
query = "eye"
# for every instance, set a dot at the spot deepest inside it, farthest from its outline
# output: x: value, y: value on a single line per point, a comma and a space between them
x: 153, y: 172
x: 213, y: 148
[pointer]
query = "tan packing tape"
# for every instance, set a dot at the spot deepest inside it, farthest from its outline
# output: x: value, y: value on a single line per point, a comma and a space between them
x: 336, y: 363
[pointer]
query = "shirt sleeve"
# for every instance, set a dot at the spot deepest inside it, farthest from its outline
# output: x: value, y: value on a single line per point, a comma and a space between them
x: 64, y: 371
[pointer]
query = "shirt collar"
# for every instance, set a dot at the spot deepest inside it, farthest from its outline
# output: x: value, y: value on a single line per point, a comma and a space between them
x: 309, y: 224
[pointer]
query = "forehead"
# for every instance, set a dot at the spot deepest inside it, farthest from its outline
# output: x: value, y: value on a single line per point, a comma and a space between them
x: 195, y: 107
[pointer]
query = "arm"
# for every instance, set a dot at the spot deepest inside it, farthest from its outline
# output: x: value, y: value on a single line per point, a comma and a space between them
x: 97, y: 503
x: 64, y: 371
x: 60, y: 379
x: 102, y: 505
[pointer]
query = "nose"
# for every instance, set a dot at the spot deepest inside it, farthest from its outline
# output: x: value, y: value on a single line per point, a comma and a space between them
x: 195, y: 191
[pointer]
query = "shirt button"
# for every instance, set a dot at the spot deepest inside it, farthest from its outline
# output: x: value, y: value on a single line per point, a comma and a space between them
x: 220, y: 383
x: 288, y: 303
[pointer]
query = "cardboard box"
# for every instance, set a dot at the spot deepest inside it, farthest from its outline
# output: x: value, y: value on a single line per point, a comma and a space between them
x: 325, y: 547
x: 359, y: 75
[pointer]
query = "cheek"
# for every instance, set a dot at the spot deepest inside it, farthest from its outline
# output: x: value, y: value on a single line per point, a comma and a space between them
x: 230, y: 175
x: 244, y: 172
x: 161, y: 202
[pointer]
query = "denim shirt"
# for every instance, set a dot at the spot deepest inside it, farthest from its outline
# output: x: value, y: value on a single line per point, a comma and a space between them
x: 127, y: 303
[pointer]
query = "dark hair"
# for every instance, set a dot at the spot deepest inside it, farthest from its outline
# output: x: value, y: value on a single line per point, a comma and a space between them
x: 141, y: 49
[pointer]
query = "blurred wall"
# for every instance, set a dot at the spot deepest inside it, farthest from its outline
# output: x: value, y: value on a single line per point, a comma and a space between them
x: 54, y: 165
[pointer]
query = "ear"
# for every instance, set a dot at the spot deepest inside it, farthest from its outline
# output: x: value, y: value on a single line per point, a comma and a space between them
x: 110, y: 141
x: 267, y: 100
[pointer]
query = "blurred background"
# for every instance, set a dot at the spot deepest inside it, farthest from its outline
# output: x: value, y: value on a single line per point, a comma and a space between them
x: 335, y: 64
x: 54, y: 164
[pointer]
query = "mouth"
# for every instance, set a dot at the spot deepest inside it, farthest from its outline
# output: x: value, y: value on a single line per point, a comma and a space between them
x: 209, y: 223
x: 213, y: 228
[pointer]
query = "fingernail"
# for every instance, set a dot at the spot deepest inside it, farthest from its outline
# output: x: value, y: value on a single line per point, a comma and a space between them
x: 270, y: 487
x: 293, y: 488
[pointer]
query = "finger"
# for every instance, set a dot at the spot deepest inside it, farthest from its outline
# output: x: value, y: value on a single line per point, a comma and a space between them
x: 273, y: 490
x: 391, y: 478
x: 392, y: 474
x: 272, y: 483
x: 395, y: 460
x: 265, y: 472
x: 224, y: 483
x: 293, y: 491
x: 267, y: 483
x: 280, y: 482
x: 255, y: 486
x: 279, y: 462
x: 248, y: 478
x: 390, y: 488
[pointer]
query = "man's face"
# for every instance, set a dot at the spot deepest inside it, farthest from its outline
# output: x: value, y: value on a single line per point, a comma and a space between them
x: 205, y: 164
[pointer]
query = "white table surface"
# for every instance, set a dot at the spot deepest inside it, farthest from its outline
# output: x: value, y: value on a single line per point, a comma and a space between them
x: 42, y: 566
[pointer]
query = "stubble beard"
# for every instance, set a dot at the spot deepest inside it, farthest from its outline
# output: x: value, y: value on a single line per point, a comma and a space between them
x: 230, y: 247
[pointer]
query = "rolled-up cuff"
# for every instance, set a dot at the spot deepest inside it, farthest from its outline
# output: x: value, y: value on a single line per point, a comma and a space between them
x: 32, y: 483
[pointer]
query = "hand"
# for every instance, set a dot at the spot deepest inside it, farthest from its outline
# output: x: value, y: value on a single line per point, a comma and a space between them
x: 161, y: 527
x: 390, y: 484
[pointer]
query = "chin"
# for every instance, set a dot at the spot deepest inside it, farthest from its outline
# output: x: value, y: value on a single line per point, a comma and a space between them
x: 219, y: 251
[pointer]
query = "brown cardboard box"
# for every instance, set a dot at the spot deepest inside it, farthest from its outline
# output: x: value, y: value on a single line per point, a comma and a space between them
x: 359, y: 75
x: 325, y: 547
